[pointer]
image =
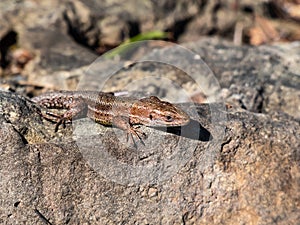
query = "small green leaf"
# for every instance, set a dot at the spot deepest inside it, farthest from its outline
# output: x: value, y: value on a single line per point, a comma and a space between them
x: 125, y: 46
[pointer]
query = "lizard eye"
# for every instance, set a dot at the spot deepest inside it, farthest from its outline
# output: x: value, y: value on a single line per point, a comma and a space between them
x: 169, y: 118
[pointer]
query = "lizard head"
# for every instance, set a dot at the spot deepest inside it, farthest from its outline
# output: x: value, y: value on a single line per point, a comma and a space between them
x: 151, y: 111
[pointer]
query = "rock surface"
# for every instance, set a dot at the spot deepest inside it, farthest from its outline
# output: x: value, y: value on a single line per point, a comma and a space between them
x: 263, y: 79
x: 249, y: 174
x: 235, y: 163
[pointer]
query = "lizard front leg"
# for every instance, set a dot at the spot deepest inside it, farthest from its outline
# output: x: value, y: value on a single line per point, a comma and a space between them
x: 122, y: 122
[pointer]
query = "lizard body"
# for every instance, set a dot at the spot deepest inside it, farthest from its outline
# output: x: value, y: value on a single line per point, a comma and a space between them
x: 108, y: 109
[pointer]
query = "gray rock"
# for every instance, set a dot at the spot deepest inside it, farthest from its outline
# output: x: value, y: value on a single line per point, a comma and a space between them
x: 249, y: 173
x: 261, y: 79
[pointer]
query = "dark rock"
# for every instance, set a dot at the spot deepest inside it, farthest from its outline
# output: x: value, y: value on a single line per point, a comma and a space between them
x: 16, y: 112
x: 81, y: 24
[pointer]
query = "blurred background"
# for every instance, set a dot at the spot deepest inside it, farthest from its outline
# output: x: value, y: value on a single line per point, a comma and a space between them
x: 31, y: 27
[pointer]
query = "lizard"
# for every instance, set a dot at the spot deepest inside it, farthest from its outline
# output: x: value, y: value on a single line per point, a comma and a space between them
x: 108, y: 109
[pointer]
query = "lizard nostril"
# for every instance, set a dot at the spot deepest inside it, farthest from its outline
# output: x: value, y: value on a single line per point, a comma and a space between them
x: 151, y: 117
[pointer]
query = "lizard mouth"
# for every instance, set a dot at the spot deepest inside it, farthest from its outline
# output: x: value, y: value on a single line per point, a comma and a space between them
x: 182, y: 118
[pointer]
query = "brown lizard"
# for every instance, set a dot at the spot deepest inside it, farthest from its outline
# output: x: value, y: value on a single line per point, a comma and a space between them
x: 108, y: 109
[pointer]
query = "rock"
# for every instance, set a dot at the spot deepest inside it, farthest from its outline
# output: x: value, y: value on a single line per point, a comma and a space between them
x: 16, y: 111
x: 249, y: 173
x: 81, y: 24
x: 261, y: 79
